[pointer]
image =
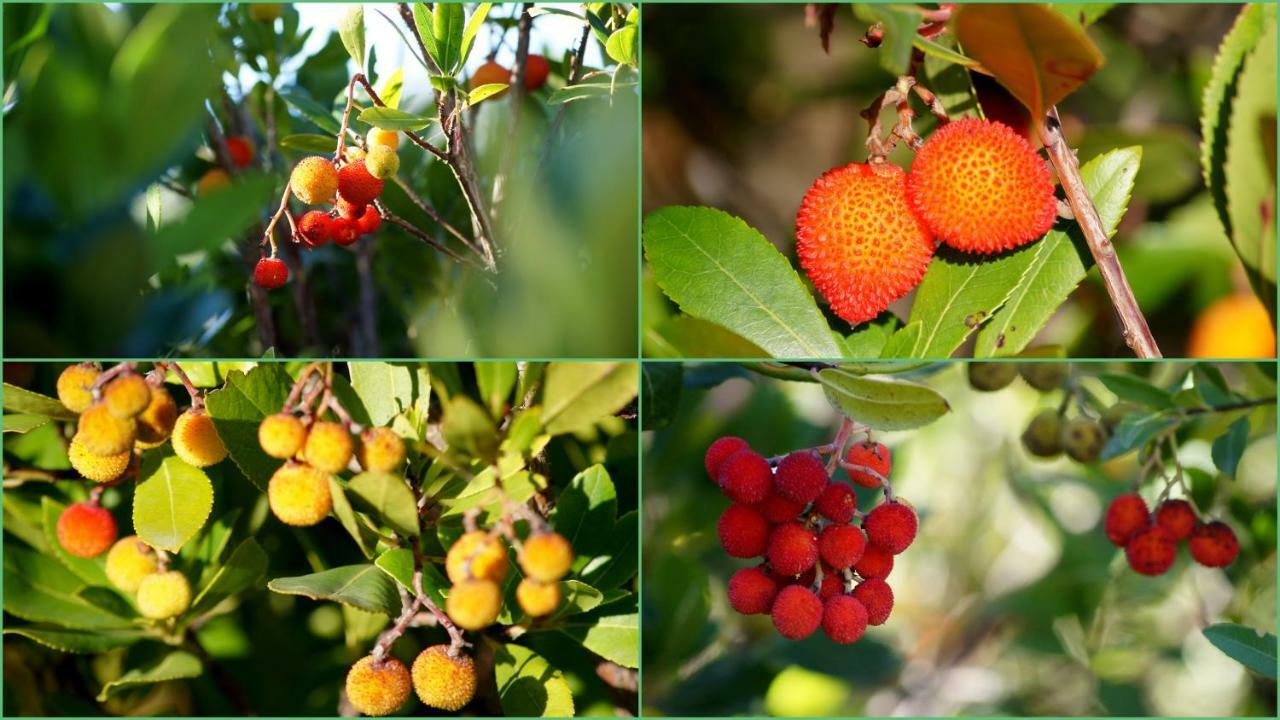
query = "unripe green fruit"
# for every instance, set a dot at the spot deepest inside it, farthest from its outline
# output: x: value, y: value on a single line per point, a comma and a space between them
x: 1114, y: 414
x: 991, y: 376
x: 164, y: 595
x: 1083, y: 439
x: 1045, y: 376
x: 130, y: 561
x: 1043, y: 436
x: 382, y: 162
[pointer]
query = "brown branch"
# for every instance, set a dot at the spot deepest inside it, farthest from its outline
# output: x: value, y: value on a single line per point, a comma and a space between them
x: 368, y: 297
x: 518, y: 92
x: 416, y: 232
x: 433, y: 214
x: 1136, y: 333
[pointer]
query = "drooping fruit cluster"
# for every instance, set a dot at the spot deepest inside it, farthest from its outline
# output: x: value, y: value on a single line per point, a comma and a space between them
x: 477, y: 565
x: 824, y: 561
x: 1049, y: 433
x: 1150, y: 540
x: 443, y: 677
x: 134, y: 567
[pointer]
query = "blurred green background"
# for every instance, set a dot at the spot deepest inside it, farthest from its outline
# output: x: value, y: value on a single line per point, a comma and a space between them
x: 102, y: 101
x: 743, y: 110
x: 1011, y: 601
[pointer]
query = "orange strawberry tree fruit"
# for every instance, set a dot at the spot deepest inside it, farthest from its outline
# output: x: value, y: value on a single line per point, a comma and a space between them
x: 440, y: 535
x: 992, y: 224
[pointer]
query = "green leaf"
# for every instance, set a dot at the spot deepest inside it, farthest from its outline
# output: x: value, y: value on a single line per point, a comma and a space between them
x: 21, y: 400
x: 385, y: 118
x: 484, y: 92
x: 242, y: 571
x: 1250, y: 164
x: 213, y: 219
x: 448, y: 22
x: 22, y: 424
x: 685, y: 336
x: 942, y: 52
x: 365, y: 537
x: 1229, y: 446
x: 496, y: 380
x: 622, y: 45
x: 1083, y: 13
x: 424, y: 23
x: 900, y: 23
x: 239, y: 407
x: 318, y: 114
x: 176, y: 665
x: 615, y: 638
x: 361, y: 586
x: 474, y: 23
x: 1134, y: 431
x: 595, y: 87
x: 882, y: 403
x: 585, y: 512
x: 351, y: 31
x: 398, y: 564
x: 1253, y: 649
x: 388, y: 389
x: 387, y: 497
x: 1049, y: 270
x: 870, y: 339
x: 309, y: 143
x: 579, y: 597
x: 468, y: 429
x: 78, y: 641
x: 90, y: 570
x: 529, y: 686
x: 171, y: 503
x: 35, y: 591
x: 716, y: 267
x: 660, y: 393
x: 1136, y: 390
x: 579, y: 394
x: 615, y: 565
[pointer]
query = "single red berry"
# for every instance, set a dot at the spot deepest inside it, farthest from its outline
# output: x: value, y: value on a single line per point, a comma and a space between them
x: 837, y: 502
x: 86, y: 530
x: 1214, y: 544
x: 240, y: 150
x: 877, y: 597
x: 746, y: 477
x: 777, y: 509
x: 796, y: 612
x: 345, y: 232
x: 801, y: 477
x: 1126, y: 515
x: 832, y: 584
x: 892, y: 526
x: 316, y: 228
x: 270, y: 273
x: 844, y: 619
x: 1151, y: 551
x: 743, y: 532
x: 536, y: 70
x: 875, y: 563
x: 869, y: 455
x: 1178, y: 517
x: 370, y: 221
x: 751, y: 591
x: 841, y: 546
x: 349, y: 210
x: 356, y: 185
x: 721, y: 450
x: 792, y: 548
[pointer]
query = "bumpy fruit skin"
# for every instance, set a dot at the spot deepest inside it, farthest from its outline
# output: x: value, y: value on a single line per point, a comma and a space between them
x: 869, y: 455
x: 164, y: 595
x: 796, y: 612
x: 370, y: 221
x: 891, y: 526
x: 1043, y: 436
x: 1083, y: 439
x: 844, y: 619
x: 538, y: 599
x: 328, y: 447
x: 105, y: 434
x: 129, y: 561
x: 381, y: 450
x: 832, y: 585
x: 74, y: 385
x: 837, y: 503
x: 1126, y: 516
x: 86, y: 530
x: 547, y: 556
x: 1044, y: 376
x: 875, y: 563
x: 270, y: 273
x: 1214, y: 544
x: 378, y: 688
x: 489, y: 73
x: 841, y: 546
x: 474, y: 604
x: 443, y: 681
x: 98, y: 468
x: 858, y: 240
x: 744, y: 533
x: 792, y: 548
x: 1235, y: 326
x: 382, y: 162
x: 991, y: 376
x: 745, y: 477
x: 155, y: 424
x: 356, y: 184
x: 751, y: 591
x: 348, y: 210
x: 212, y: 181
x: 314, y: 180
x: 777, y: 509
x: 281, y: 435
x: 241, y: 150
x: 719, y: 451
x: 477, y: 555
x: 877, y: 597
x: 127, y: 396
x: 316, y: 228
x: 386, y: 138
x: 1178, y: 517
x: 801, y: 477
x: 1151, y: 551
x: 536, y: 70
x: 980, y: 187
x: 196, y: 440
x: 299, y: 494
x: 345, y: 231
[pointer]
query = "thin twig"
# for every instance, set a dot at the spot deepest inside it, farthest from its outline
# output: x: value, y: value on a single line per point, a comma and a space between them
x: 523, y: 28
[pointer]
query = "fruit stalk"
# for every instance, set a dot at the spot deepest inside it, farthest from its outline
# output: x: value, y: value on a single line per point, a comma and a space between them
x: 1136, y: 333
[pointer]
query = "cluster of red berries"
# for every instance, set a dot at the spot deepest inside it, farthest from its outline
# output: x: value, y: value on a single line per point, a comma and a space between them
x: 820, y: 568
x: 1150, y: 541
x: 866, y: 232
